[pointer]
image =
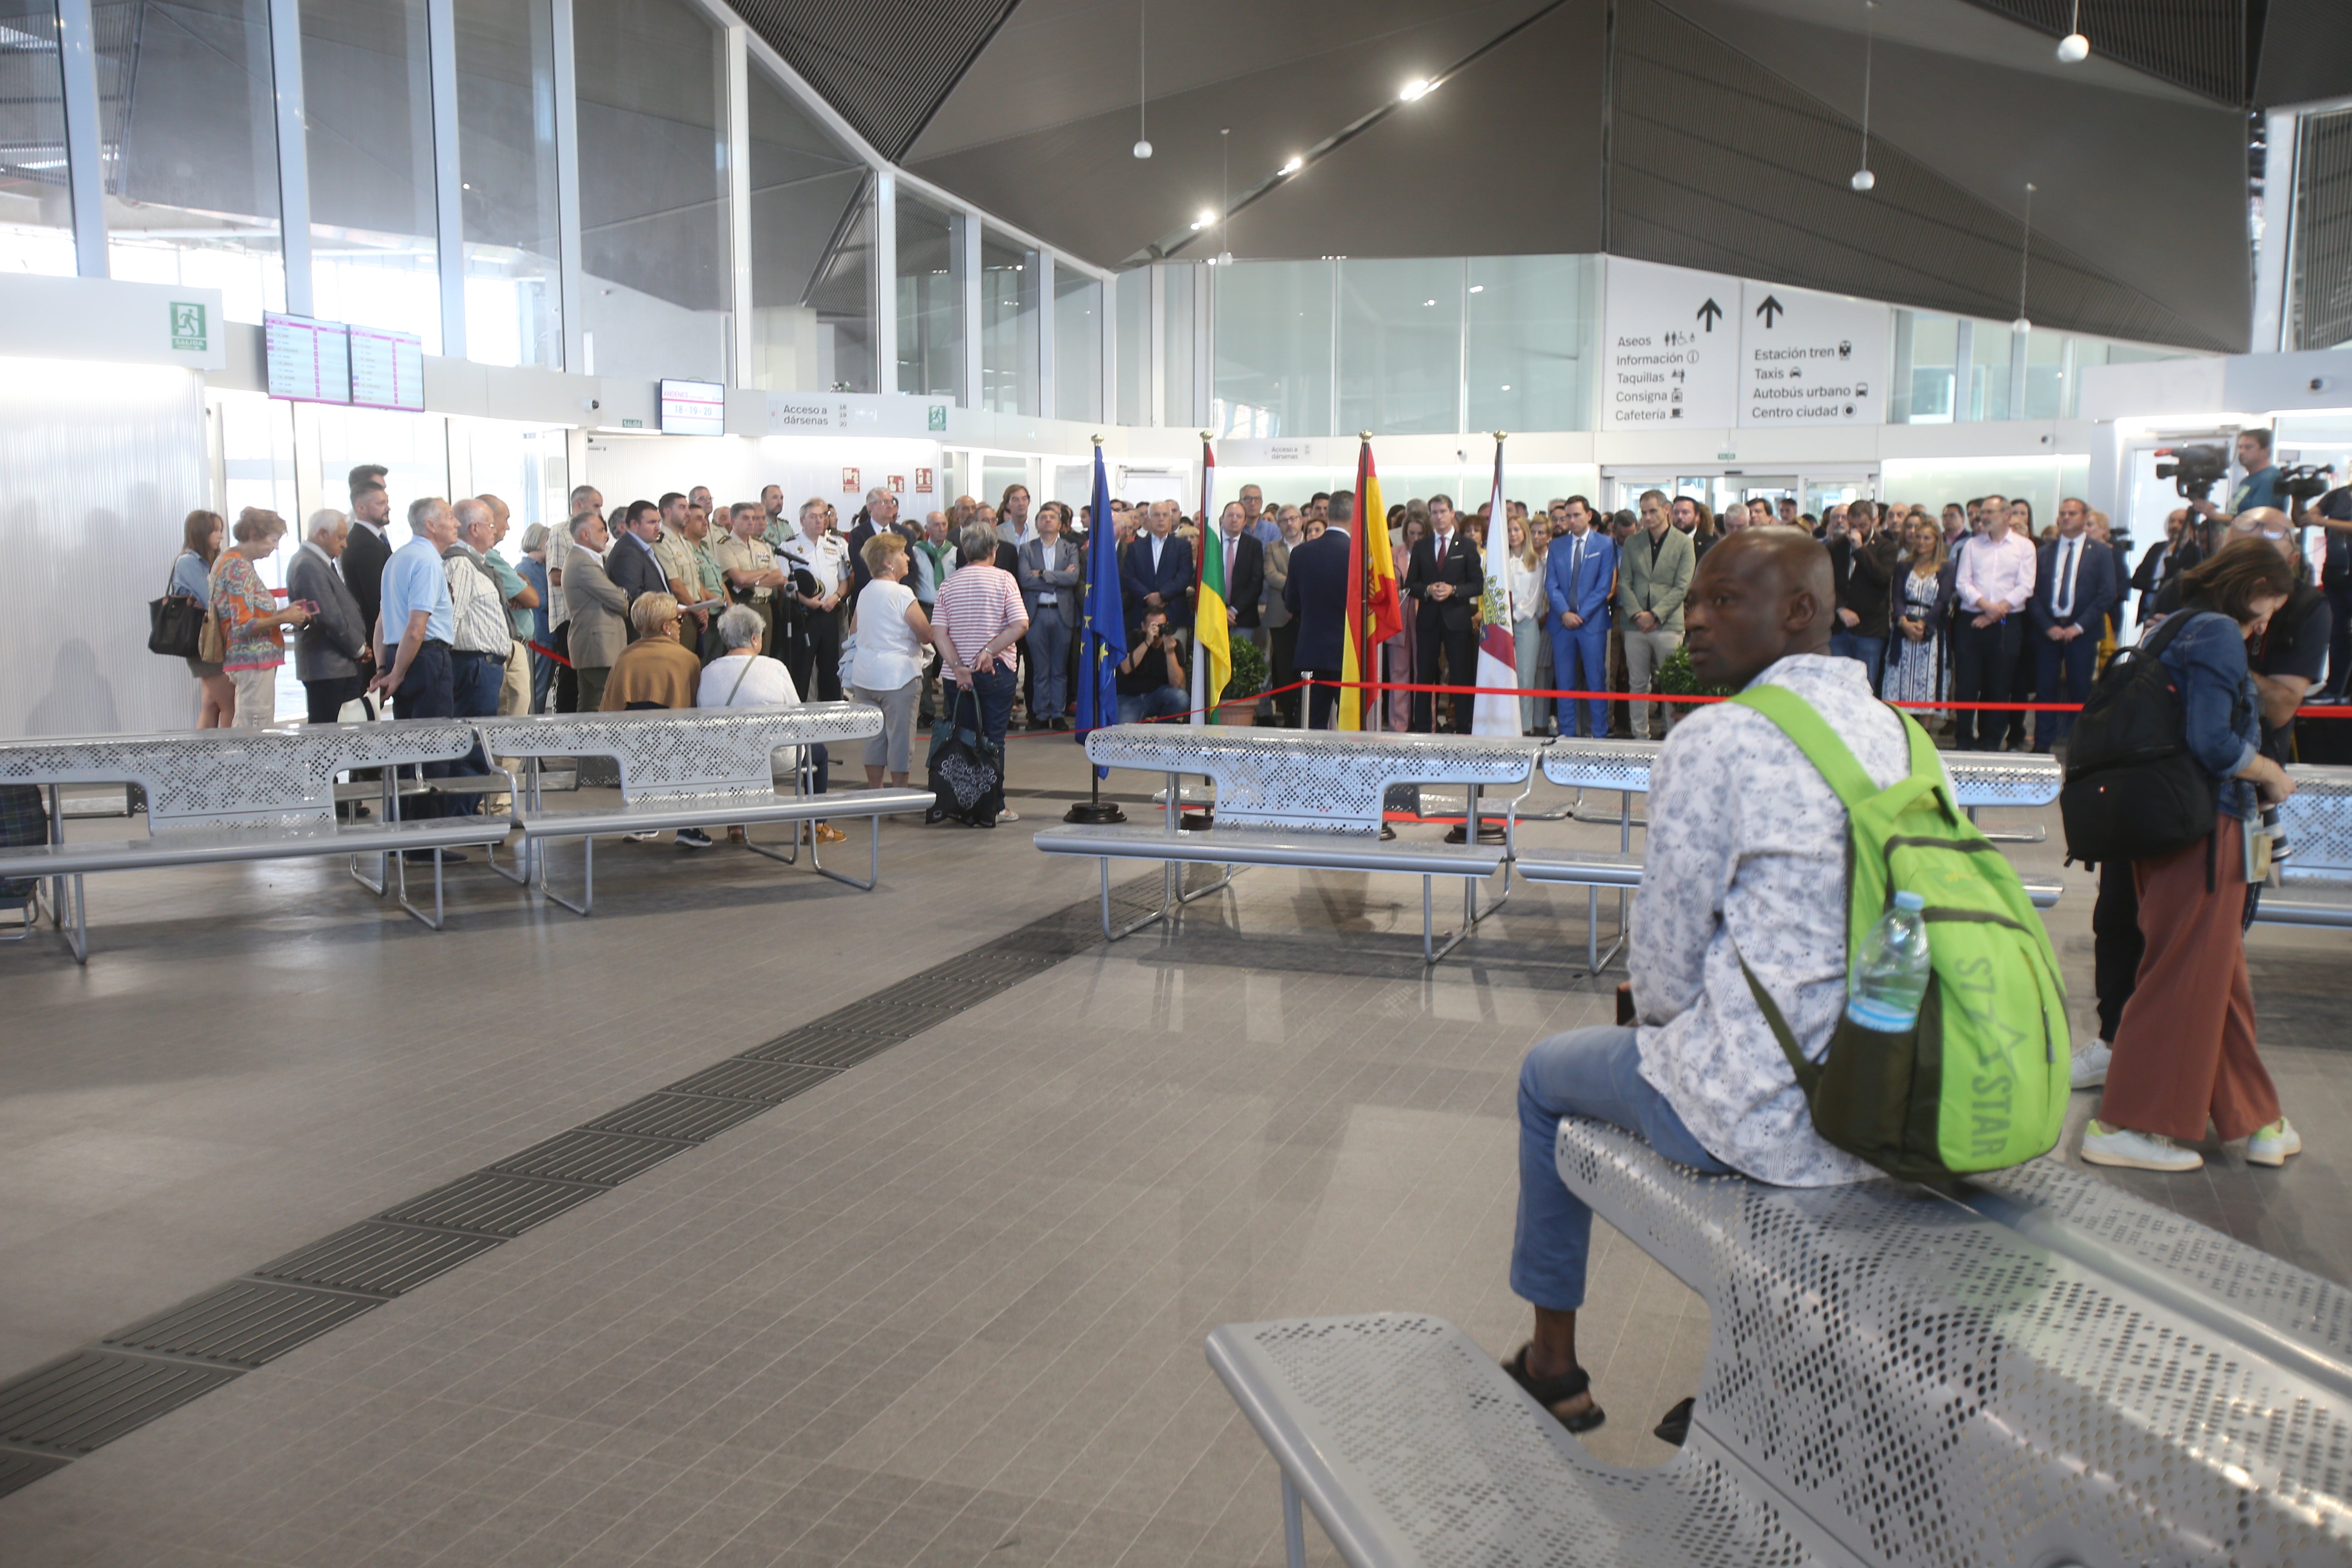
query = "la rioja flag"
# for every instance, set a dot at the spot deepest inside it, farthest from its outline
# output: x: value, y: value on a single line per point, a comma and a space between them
x: 1498, y: 666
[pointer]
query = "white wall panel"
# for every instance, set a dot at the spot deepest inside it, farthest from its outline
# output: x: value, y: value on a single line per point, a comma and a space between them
x: 98, y: 465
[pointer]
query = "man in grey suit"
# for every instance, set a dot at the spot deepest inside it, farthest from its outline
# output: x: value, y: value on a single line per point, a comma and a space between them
x: 331, y: 645
x: 1654, y: 567
x: 1048, y: 575
x: 600, y: 623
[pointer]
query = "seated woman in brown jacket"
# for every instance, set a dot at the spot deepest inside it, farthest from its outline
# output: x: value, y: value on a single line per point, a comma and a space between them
x: 653, y: 671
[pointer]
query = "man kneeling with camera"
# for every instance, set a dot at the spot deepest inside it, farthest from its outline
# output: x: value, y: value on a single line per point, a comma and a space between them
x: 1152, y: 680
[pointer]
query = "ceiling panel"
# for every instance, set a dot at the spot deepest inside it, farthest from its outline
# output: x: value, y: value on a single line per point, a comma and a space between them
x: 886, y: 68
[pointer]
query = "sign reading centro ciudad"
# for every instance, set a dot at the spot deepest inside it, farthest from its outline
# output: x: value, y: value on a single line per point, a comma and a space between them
x: 1689, y: 350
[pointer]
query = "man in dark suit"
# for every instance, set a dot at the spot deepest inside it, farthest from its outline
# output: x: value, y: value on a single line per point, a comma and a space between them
x: 364, y: 556
x: 1444, y: 582
x: 1245, y: 563
x: 631, y: 564
x: 1156, y: 571
x: 2074, y: 588
x: 1316, y: 594
x: 1863, y: 560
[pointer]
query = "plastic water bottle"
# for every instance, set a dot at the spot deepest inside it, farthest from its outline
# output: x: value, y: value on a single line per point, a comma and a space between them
x: 1891, y: 979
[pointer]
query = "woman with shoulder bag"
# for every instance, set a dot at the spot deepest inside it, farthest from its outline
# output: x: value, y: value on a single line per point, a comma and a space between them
x: 251, y: 623
x: 2184, y: 1050
x: 192, y: 578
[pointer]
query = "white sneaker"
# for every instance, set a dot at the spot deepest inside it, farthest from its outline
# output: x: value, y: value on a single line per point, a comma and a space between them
x: 647, y: 836
x: 2104, y: 1145
x: 2090, y: 1065
x: 2271, y: 1145
x: 1008, y: 816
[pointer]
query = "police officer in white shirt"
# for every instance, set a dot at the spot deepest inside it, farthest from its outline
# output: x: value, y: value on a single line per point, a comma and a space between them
x: 812, y: 653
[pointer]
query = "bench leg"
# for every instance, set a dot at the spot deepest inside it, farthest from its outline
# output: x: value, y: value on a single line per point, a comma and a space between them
x: 77, y: 935
x: 587, y: 874
x: 433, y: 922
x: 1294, y: 1527
x: 1216, y: 887
x: 1158, y: 914
x: 2033, y: 834
x: 1431, y: 953
x: 873, y: 855
x: 520, y: 875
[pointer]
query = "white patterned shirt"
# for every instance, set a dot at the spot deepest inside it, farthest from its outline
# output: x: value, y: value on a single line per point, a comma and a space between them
x: 1746, y: 841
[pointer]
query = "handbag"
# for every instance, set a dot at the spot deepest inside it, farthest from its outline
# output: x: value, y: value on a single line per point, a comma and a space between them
x: 175, y: 624
x: 967, y: 769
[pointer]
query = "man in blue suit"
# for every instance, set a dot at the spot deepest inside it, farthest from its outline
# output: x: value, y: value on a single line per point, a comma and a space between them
x: 1579, y: 573
x: 1155, y: 572
x: 1316, y: 593
x: 2074, y: 586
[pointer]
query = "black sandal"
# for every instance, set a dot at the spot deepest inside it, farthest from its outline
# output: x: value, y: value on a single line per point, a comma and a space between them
x: 1550, y: 1391
x: 1676, y: 1428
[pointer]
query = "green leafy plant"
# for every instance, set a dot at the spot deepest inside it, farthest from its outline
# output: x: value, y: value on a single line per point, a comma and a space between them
x: 1676, y: 678
x: 1248, y: 678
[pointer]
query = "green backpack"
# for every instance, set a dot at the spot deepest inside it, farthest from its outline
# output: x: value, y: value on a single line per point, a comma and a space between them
x: 1981, y: 1082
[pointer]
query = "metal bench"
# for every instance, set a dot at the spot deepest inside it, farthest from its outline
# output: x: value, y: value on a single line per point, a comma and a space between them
x: 214, y: 796
x: 2316, y: 881
x: 1309, y: 800
x: 2036, y: 1369
x: 687, y: 768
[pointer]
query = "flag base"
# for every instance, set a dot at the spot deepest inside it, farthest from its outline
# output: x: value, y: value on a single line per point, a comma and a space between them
x: 1094, y: 811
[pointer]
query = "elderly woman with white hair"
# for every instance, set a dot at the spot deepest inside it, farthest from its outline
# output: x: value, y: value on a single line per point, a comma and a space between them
x: 332, y: 647
x: 743, y: 677
x: 249, y: 617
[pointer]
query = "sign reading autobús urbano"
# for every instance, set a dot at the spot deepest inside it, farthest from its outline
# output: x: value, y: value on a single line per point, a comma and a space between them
x: 1811, y: 359
x: 1671, y: 358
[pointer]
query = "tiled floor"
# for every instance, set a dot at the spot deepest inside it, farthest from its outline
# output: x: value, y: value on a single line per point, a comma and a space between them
x: 946, y: 1307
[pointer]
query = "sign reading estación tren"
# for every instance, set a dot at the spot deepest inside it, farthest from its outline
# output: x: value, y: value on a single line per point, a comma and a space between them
x: 1688, y: 350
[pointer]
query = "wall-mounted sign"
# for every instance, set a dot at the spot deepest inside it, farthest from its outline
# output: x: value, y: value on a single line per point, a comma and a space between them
x: 922, y: 481
x: 309, y: 361
x: 387, y: 369
x: 848, y: 482
x: 189, y: 333
x: 1288, y: 451
x: 894, y: 483
x: 1811, y: 359
x: 1671, y: 358
x: 693, y: 408
x: 938, y: 416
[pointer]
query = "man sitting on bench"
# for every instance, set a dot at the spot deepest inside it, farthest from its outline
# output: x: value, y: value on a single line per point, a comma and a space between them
x: 1747, y: 844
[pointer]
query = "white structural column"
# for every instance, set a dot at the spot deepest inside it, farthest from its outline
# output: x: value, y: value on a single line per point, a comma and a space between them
x: 1155, y: 386
x: 449, y: 184
x: 739, y: 199
x: 884, y: 272
x: 967, y: 233
x: 567, y: 195
x: 2282, y: 171
x: 293, y: 151
x: 1045, y: 368
x: 1109, y: 402
x: 1205, y: 327
x: 2017, y: 342
x: 85, y: 171
x: 1964, y: 350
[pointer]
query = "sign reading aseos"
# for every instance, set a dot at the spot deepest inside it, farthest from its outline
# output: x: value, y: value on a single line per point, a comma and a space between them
x: 1811, y: 359
x: 1671, y: 358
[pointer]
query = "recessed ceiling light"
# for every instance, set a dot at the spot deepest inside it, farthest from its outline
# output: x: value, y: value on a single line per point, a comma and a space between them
x: 1429, y: 301
x: 1477, y: 288
x: 1295, y: 164
x: 1207, y: 218
x: 1416, y: 88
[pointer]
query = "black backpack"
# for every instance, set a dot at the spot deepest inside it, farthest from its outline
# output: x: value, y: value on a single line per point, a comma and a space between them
x: 2134, y: 790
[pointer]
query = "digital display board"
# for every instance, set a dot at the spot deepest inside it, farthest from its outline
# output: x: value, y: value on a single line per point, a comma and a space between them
x: 693, y: 408
x: 387, y: 369
x: 309, y: 361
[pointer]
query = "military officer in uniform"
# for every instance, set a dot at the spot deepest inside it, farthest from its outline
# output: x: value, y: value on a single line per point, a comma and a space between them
x: 813, y: 651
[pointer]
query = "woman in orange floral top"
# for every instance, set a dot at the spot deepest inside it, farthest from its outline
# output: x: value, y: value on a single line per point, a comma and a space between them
x: 249, y: 617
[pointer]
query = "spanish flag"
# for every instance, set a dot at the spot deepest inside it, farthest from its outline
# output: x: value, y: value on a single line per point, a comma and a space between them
x: 1375, y: 612
x: 1213, y: 659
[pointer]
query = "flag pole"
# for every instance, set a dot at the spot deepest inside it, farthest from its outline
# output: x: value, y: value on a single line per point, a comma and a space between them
x: 1091, y: 651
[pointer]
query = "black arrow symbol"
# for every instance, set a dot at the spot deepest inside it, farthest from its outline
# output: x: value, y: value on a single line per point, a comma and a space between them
x: 1771, y: 308
x: 1711, y: 313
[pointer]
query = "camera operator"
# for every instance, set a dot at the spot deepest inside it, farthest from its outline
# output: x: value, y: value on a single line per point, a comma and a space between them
x: 1152, y: 680
x: 2260, y: 488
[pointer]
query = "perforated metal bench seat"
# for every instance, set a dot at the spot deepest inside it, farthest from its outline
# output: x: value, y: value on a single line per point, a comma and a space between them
x: 2035, y: 1368
x: 2301, y: 903
x: 1412, y: 1447
x: 665, y: 813
x: 220, y: 845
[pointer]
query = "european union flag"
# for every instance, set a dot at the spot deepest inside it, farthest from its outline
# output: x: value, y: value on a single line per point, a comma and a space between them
x: 1104, y: 648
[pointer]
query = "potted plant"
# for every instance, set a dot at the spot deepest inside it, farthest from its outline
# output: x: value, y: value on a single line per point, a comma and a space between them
x: 1237, y: 704
x: 1676, y: 677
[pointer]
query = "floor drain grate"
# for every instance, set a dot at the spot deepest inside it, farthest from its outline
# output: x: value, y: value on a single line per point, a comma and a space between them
x: 93, y: 1398
x: 243, y: 1324
x: 688, y: 1116
x: 24, y: 1469
x: 826, y: 1046
x: 607, y: 1158
x: 379, y: 1258
x: 493, y: 1204
x: 769, y: 1082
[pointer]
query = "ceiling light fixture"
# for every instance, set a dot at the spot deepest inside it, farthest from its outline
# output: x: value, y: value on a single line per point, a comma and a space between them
x: 1863, y: 180
x: 1142, y: 95
x: 1295, y: 164
x: 1419, y: 87
x: 2025, y: 248
x: 2075, y: 49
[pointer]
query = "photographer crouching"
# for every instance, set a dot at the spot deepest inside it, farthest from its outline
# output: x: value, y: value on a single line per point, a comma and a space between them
x: 1152, y: 680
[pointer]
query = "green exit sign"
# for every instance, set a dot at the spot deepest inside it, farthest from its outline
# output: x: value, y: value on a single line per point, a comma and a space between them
x: 188, y: 327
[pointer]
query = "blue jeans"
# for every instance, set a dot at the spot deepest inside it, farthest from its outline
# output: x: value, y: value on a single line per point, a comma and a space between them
x: 1870, y: 651
x: 1592, y: 1072
x: 1580, y: 662
x: 1160, y: 702
x: 994, y: 687
x: 1049, y: 657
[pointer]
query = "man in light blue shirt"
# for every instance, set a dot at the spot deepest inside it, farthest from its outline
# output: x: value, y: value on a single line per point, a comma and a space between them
x: 414, y: 628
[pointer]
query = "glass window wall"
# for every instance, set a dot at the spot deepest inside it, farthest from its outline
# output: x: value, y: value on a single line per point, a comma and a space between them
x: 1531, y: 319
x: 931, y: 300
x: 1177, y: 285
x: 812, y: 230
x: 1401, y: 345
x: 1924, y: 374
x: 367, y: 97
x: 1077, y: 344
x: 1133, y: 291
x: 1009, y: 275
x: 187, y: 125
x: 1988, y: 373
x: 2048, y: 386
x: 36, y: 206
x: 506, y: 155
x: 653, y: 199
x: 1274, y: 349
